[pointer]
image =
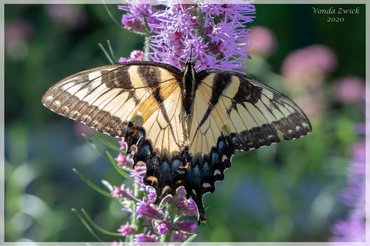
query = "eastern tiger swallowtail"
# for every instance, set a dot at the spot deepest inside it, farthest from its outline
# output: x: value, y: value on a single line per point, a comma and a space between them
x: 187, y: 124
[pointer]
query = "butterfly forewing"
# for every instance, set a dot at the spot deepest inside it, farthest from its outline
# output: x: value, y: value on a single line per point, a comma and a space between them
x: 108, y: 98
x: 231, y: 104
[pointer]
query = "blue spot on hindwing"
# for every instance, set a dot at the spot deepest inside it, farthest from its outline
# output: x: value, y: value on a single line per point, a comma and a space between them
x: 175, y: 168
x: 206, y: 170
x: 194, y: 176
x: 221, y: 144
x: 165, y: 172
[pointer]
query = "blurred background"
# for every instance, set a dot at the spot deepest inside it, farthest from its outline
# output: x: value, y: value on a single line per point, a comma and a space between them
x: 310, y: 189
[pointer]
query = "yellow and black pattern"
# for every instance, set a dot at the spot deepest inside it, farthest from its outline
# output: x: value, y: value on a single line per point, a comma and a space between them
x: 187, y: 125
x: 111, y: 97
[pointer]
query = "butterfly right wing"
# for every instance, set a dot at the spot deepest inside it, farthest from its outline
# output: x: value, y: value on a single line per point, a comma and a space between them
x: 121, y: 99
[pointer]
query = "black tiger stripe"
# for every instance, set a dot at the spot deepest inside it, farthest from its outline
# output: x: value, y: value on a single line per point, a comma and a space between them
x: 221, y: 81
x: 151, y: 76
x: 118, y: 78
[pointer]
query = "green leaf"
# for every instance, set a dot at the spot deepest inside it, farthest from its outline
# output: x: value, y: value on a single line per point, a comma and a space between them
x: 97, y: 227
x: 91, y: 184
x: 187, y: 241
x: 106, y: 142
x: 118, y: 169
x: 111, y: 50
x: 88, y: 227
x: 106, y: 53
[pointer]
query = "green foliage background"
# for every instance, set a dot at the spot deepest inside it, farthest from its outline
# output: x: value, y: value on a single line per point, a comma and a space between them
x: 286, y: 192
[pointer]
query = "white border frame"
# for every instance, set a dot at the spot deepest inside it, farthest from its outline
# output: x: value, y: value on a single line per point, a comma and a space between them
x: 2, y: 107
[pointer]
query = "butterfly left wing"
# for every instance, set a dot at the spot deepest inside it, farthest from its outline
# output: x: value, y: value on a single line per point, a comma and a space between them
x: 234, y: 112
x: 136, y: 100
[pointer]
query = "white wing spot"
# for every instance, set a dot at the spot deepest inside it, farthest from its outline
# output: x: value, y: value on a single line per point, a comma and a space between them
x: 49, y: 98
x: 194, y: 192
x: 57, y: 103
x: 216, y: 172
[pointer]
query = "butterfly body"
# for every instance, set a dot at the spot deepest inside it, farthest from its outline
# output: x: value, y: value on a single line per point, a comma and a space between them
x: 187, y: 125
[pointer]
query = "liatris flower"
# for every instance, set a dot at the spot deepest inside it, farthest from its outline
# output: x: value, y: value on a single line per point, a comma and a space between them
x: 311, y: 60
x: 214, y: 35
x: 172, y: 218
x: 126, y: 229
x: 262, y: 41
x: 136, y: 55
x: 350, y: 90
x: 353, y: 228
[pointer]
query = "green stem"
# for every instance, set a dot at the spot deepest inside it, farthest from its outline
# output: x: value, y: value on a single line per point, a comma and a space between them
x: 146, y: 48
x: 134, y: 216
x: 166, y: 237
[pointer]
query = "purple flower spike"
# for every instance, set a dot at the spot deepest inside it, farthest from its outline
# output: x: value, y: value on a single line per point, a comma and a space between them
x: 137, y: 17
x: 121, y: 192
x: 146, y: 210
x: 145, y: 238
x: 178, y: 236
x: 191, y: 206
x: 117, y: 192
x: 133, y: 149
x: 126, y: 229
x: 186, y: 226
x: 136, y: 55
x: 215, y: 36
x: 162, y: 227
x: 152, y: 195
x: 138, y: 173
x: 122, y: 160
x: 123, y: 144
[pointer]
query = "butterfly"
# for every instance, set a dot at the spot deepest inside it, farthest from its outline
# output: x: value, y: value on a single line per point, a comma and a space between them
x: 186, y: 124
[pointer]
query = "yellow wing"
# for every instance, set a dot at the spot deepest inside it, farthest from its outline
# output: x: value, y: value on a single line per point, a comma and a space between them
x: 230, y: 104
x: 116, y: 99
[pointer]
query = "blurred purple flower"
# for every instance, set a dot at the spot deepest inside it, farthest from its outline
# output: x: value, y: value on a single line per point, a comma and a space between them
x: 152, y: 195
x: 17, y: 30
x: 67, y: 14
x: 126, y: 229
x: 350, y: 230
x: 122, y: 192
x: 146, y: 210
x: 186, y: 226
x: 17, y: 33
x: 137, y: 17
x: 262, y: 41
x: 122, y: 160
x: 309, y: 60
x: 163, y: 227
x: 123, y: 144
x: 146, y: 238
x: 178, y: 236
x: 81, y: 129
x: 350, y: 89
x: 136, y: 55
x: 353, y: 228
x: 215, y: 35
